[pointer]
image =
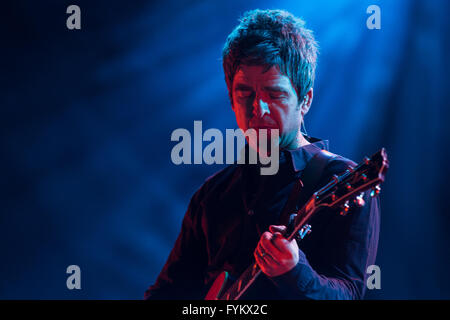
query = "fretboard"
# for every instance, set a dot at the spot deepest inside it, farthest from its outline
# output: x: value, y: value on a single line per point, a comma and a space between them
x: 241, y: 285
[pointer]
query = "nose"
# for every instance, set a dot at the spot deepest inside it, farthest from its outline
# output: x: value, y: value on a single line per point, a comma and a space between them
x: 260, y: 108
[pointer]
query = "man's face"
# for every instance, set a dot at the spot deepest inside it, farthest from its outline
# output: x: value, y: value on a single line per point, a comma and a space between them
x: 267, y: 100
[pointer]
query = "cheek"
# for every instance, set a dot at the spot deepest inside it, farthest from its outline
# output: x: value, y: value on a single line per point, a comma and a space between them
x: 241, y: 117
x: 242, y: 108
x: 286, y: 115
x: 278, y: 113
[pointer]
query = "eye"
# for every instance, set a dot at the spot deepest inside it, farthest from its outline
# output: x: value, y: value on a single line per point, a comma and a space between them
x: 244, y: 93
x: 277, y: 95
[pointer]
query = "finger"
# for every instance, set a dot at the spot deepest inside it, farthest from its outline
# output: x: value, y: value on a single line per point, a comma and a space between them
x: 263, y: 263
x: 260, y: 251
x: 285, y: 247
x: 281, y: 229
x: 266, y: 256
x: 268, y: 246
x: 271, y: 262
x: 260, y: 261
x: 277, y: 241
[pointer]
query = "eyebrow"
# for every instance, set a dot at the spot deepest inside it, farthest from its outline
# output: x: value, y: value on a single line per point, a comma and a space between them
x: 276, y: 89
x: 242, y: 87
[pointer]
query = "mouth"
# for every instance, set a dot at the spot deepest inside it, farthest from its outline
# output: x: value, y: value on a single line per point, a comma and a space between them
x: 264, y: 123
x: 258, y: 126
x: 268, y: 128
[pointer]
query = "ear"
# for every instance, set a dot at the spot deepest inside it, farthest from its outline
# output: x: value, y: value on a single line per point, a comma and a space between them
x: 306, y: 103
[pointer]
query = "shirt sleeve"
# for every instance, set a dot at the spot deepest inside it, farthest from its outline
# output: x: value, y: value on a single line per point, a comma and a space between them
x: 350, y: 246
x: 182, y: 275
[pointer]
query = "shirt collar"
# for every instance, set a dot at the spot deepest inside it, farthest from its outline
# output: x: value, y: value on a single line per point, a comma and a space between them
x: 299, y: 157
x: 296, y: 159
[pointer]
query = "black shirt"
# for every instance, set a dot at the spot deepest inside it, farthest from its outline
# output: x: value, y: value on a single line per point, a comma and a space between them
x: 230, y: 211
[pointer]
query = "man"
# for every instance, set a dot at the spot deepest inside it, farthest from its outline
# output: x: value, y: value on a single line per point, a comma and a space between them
x: 269, y: 62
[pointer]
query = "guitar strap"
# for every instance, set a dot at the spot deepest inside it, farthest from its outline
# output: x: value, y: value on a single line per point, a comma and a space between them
x: 306, y: 185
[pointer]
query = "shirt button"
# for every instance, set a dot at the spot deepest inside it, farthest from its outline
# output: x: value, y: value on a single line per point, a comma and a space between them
x: 250, y: 212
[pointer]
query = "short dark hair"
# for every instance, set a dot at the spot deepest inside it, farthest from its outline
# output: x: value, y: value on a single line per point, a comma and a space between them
x: 272, y: 37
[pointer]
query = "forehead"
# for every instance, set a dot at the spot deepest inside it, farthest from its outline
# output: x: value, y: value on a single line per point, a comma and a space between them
x: 254, y: 75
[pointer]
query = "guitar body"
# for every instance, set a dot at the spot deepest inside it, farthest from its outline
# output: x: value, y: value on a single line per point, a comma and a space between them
x: 218, y: 287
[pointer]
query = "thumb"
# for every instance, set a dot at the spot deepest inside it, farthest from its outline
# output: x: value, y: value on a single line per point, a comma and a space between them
x: 280, y: 229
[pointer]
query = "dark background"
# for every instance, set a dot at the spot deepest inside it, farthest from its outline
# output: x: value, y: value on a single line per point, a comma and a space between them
x: 86, y: 118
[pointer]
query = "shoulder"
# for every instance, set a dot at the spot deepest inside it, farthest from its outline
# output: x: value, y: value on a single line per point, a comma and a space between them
x: 219, y: 182
x: 336, y: 165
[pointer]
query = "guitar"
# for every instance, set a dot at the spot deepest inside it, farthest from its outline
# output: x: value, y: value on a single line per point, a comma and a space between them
x: 342, y: 191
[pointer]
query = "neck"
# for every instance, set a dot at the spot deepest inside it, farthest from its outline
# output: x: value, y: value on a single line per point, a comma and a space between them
x: 298, y: 142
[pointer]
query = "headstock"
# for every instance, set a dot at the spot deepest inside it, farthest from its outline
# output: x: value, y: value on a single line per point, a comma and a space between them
x: 351, y: 185
x: 347, y: 189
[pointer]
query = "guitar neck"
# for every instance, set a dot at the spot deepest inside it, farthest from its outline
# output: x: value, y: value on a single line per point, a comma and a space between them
x: 240, y: 286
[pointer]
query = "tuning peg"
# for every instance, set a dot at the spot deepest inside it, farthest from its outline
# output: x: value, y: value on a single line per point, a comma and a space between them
x: 375, y: 191
x: 345, y: 209
x: 306, y: 229
x: 359, y: 200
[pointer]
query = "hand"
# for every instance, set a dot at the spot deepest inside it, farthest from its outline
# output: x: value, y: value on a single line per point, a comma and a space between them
x: 274, y: 254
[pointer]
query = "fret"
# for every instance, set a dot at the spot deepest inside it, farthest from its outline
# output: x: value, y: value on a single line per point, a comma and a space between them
x: 254, y: 269
x: 245, y: 280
